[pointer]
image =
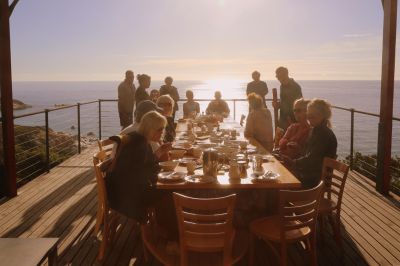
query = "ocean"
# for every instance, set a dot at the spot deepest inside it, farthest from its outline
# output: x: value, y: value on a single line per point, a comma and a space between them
x: 360, y: 95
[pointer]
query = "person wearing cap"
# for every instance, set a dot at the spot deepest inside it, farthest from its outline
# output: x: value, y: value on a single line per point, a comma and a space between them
x: 218, y: 106
x: 257, y: 86
x: 166, y: 103
x: 172, y: 91
x: 126, y: 99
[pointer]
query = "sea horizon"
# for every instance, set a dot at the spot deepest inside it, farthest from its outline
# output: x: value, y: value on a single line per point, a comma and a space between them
x: 362, y: 95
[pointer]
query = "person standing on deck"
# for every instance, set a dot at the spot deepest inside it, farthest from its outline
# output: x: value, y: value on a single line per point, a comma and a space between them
x: 141, y: 93
x: 290, y: 91
x: 171, y: 91
x: 257, y: 86
x: 126, y: 99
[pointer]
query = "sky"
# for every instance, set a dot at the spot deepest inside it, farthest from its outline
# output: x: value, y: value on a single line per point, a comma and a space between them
x: 96, y: 40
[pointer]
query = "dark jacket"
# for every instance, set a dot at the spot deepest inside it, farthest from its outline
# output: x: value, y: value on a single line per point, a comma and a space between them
x: 321, y: 143
x: 288, y: 94
x: 170, y: 132
x: 171, y: 91
x: 258, y: 87
x: 131, y: 185
x: 141, y: 95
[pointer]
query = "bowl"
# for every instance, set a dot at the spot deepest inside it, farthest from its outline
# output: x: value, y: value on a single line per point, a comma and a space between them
x: 168, y: 165
x: 176, y: 154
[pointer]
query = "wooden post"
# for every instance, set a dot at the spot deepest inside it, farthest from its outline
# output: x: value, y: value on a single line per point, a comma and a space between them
x: 7, y: 101
x: 387, y: 87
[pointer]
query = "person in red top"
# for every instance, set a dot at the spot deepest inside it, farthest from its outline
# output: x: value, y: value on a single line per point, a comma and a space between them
x: 292, y: 143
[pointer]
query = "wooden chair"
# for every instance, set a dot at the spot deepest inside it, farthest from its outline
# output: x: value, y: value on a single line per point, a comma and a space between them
x: 105, y: 217
x: 109, y: 146
x: 334, y: 175
x: 295, y: 222
x: 205, y: 225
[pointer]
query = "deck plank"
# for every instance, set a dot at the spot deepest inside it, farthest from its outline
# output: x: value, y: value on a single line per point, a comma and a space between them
x: 63, y: 204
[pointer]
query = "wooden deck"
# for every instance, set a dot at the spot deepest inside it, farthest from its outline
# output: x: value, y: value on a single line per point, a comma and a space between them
x: 63, y: 204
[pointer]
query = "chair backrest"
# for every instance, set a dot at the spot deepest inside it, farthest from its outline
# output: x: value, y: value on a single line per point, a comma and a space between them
x: 206, y: 218
x: 99, y: 163
x: 298, y: 209
x: 334, y: 175
x: 109, y: 146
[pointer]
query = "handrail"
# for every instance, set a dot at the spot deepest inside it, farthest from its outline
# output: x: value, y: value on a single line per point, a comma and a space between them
x: 47, y: 163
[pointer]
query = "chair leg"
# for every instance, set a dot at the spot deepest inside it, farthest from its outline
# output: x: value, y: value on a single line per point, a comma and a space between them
x: 335, y: 223
x: 104, y: 241
x: 313, y: 251
x: 251, y: 249
x: 99, y: 220
x: 283, y: 258
x: 321, y: 228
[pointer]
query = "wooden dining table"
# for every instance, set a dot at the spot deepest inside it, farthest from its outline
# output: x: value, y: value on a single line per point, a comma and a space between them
x: 285, y: 179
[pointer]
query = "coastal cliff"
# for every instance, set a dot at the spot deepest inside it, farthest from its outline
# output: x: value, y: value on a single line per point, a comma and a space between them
x: 18, y: 105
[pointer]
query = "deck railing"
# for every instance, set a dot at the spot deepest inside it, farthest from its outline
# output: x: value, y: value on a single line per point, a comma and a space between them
x: 41, y: 146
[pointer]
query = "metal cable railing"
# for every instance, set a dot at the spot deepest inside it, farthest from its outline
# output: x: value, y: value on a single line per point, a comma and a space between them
x: 64, y: 131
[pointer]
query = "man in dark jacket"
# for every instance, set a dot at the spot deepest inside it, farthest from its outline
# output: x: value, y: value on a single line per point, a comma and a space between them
x: 257, y: 86
x: 290, y: 91
x: 126, y: 99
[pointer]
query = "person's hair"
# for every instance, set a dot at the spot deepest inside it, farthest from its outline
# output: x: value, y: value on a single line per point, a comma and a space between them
x: 154, y: 90
x: 166, y: 99
x: 255, y: 72
x: 142, y: 77
x: 165, y: 80
x: 282, y: 69
x: 323, y: 107
x: 128, y: 72
x: 255, y: 101
x: 150, y: 122
x: 303, y: 103
x: 189, y: 91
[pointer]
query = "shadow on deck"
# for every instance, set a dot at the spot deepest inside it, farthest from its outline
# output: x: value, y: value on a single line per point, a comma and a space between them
x: 63, y: 204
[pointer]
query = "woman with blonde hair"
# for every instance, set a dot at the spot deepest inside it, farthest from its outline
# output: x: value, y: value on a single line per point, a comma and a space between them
x: 321, y: 143
x: 131, y: 183
x: 166, y: 103
x: 292, y: 143
x: 259, y: 123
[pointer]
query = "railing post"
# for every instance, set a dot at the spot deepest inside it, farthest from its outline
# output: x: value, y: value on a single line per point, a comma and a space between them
x: 352, y: 138
x: 99, y: 119
x: 78, y: 106
x: 234, y: 109
x: 47, y: 166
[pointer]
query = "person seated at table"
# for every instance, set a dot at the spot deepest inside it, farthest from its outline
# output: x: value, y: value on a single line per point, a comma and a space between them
x: 321, y: 143
x: 141, y: 93
x: 154, y: 94
x: 190, y: 108
x: 131, y: 183
x: 166, y: 103
x: 293, y: 142
x: 161, y: 151
x: 218, y: 106
x: 259, y: 123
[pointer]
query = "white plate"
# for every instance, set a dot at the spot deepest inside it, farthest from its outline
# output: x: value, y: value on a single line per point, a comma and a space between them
x: 199, y: 179
x: 267, y: 177
x: 171, y: 176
